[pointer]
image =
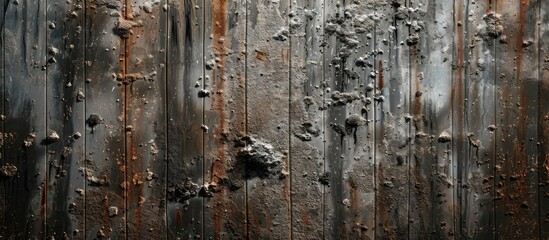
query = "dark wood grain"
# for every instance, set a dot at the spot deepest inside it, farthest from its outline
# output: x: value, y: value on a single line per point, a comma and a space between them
x: 145, y: 110
x: 185, y: 118
x: 25, y: 112
x: 105, y: 197
x: 225, y: 118
x: 65, y: 115
x: 308, y: 178
x: 516, y: 134
x: 267, y: 90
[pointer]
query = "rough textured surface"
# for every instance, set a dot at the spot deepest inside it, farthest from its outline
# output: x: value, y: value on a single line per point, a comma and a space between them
x: 65, y: 116
x: 274, y: 119
x: 185, y: 148
x: 516, y: 163
x: 104, y: 164
x: 268, y: 92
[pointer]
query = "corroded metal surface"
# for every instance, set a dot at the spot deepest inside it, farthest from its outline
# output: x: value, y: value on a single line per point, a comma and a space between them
x: 274, y: 119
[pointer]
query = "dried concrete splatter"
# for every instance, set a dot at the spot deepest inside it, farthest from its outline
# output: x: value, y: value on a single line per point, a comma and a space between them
x: 93, y: 120
x: 8, y: 170
x: 491, y: 28
x: 261, y: 159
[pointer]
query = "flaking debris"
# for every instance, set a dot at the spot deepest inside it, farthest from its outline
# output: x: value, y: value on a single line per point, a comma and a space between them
x: 325, y: 178
x: 124, y: 27
x: 353, y: 122
x: 261, y: 159
x: 8, y: 170
x: 474, y: 140
x: 281, y: 34
x: 29, y: 140
x: 182, y: 192
x: 491, y: 28
x: 306, y: 132
x: 113, y: 211
x: 52, y: 137
x: 112, y: 4
x: 444, y: 137
x: 342, y: 98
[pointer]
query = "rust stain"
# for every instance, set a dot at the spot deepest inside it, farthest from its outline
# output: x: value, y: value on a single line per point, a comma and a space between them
x: 219, y: 27
x: 262, y: 56
x: 458, y: 101
x: 267, y: 226
x: 380, y: 79
x: 521, y: 136
x: 43, y: 204
x: 284, y: 54
x: 305, y: 218
x: 106, y: 219
x: 547, y: 168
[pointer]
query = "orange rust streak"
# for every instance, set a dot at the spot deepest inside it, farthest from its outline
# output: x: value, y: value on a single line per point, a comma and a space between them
x: 178, y: 217
x: 43, y: 203
x: 219, y: 27
x: 519, y: 149
x: 267, y: 225
x: 380, y: 80
x: 106, y: 219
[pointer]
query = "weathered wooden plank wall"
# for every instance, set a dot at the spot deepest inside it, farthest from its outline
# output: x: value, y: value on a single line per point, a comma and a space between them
x: 274, y: 119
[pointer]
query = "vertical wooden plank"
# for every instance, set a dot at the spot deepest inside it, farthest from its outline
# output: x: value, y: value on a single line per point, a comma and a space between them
x: 25, y: 125
x: 392, y: 122
x: 266, y: 150
x: 145, y: 83
x: 516, y: 134
x: 185, y: 118
x: 333, y: 205
x: 350, y: 119
x: 65, y: 115
x: 105, y: 198
x: 2, y: 116
x: 432, y: 176
x: 474, y: 119
x: 543, y: 119
x: 224, y: 119
x: 308, y: 178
